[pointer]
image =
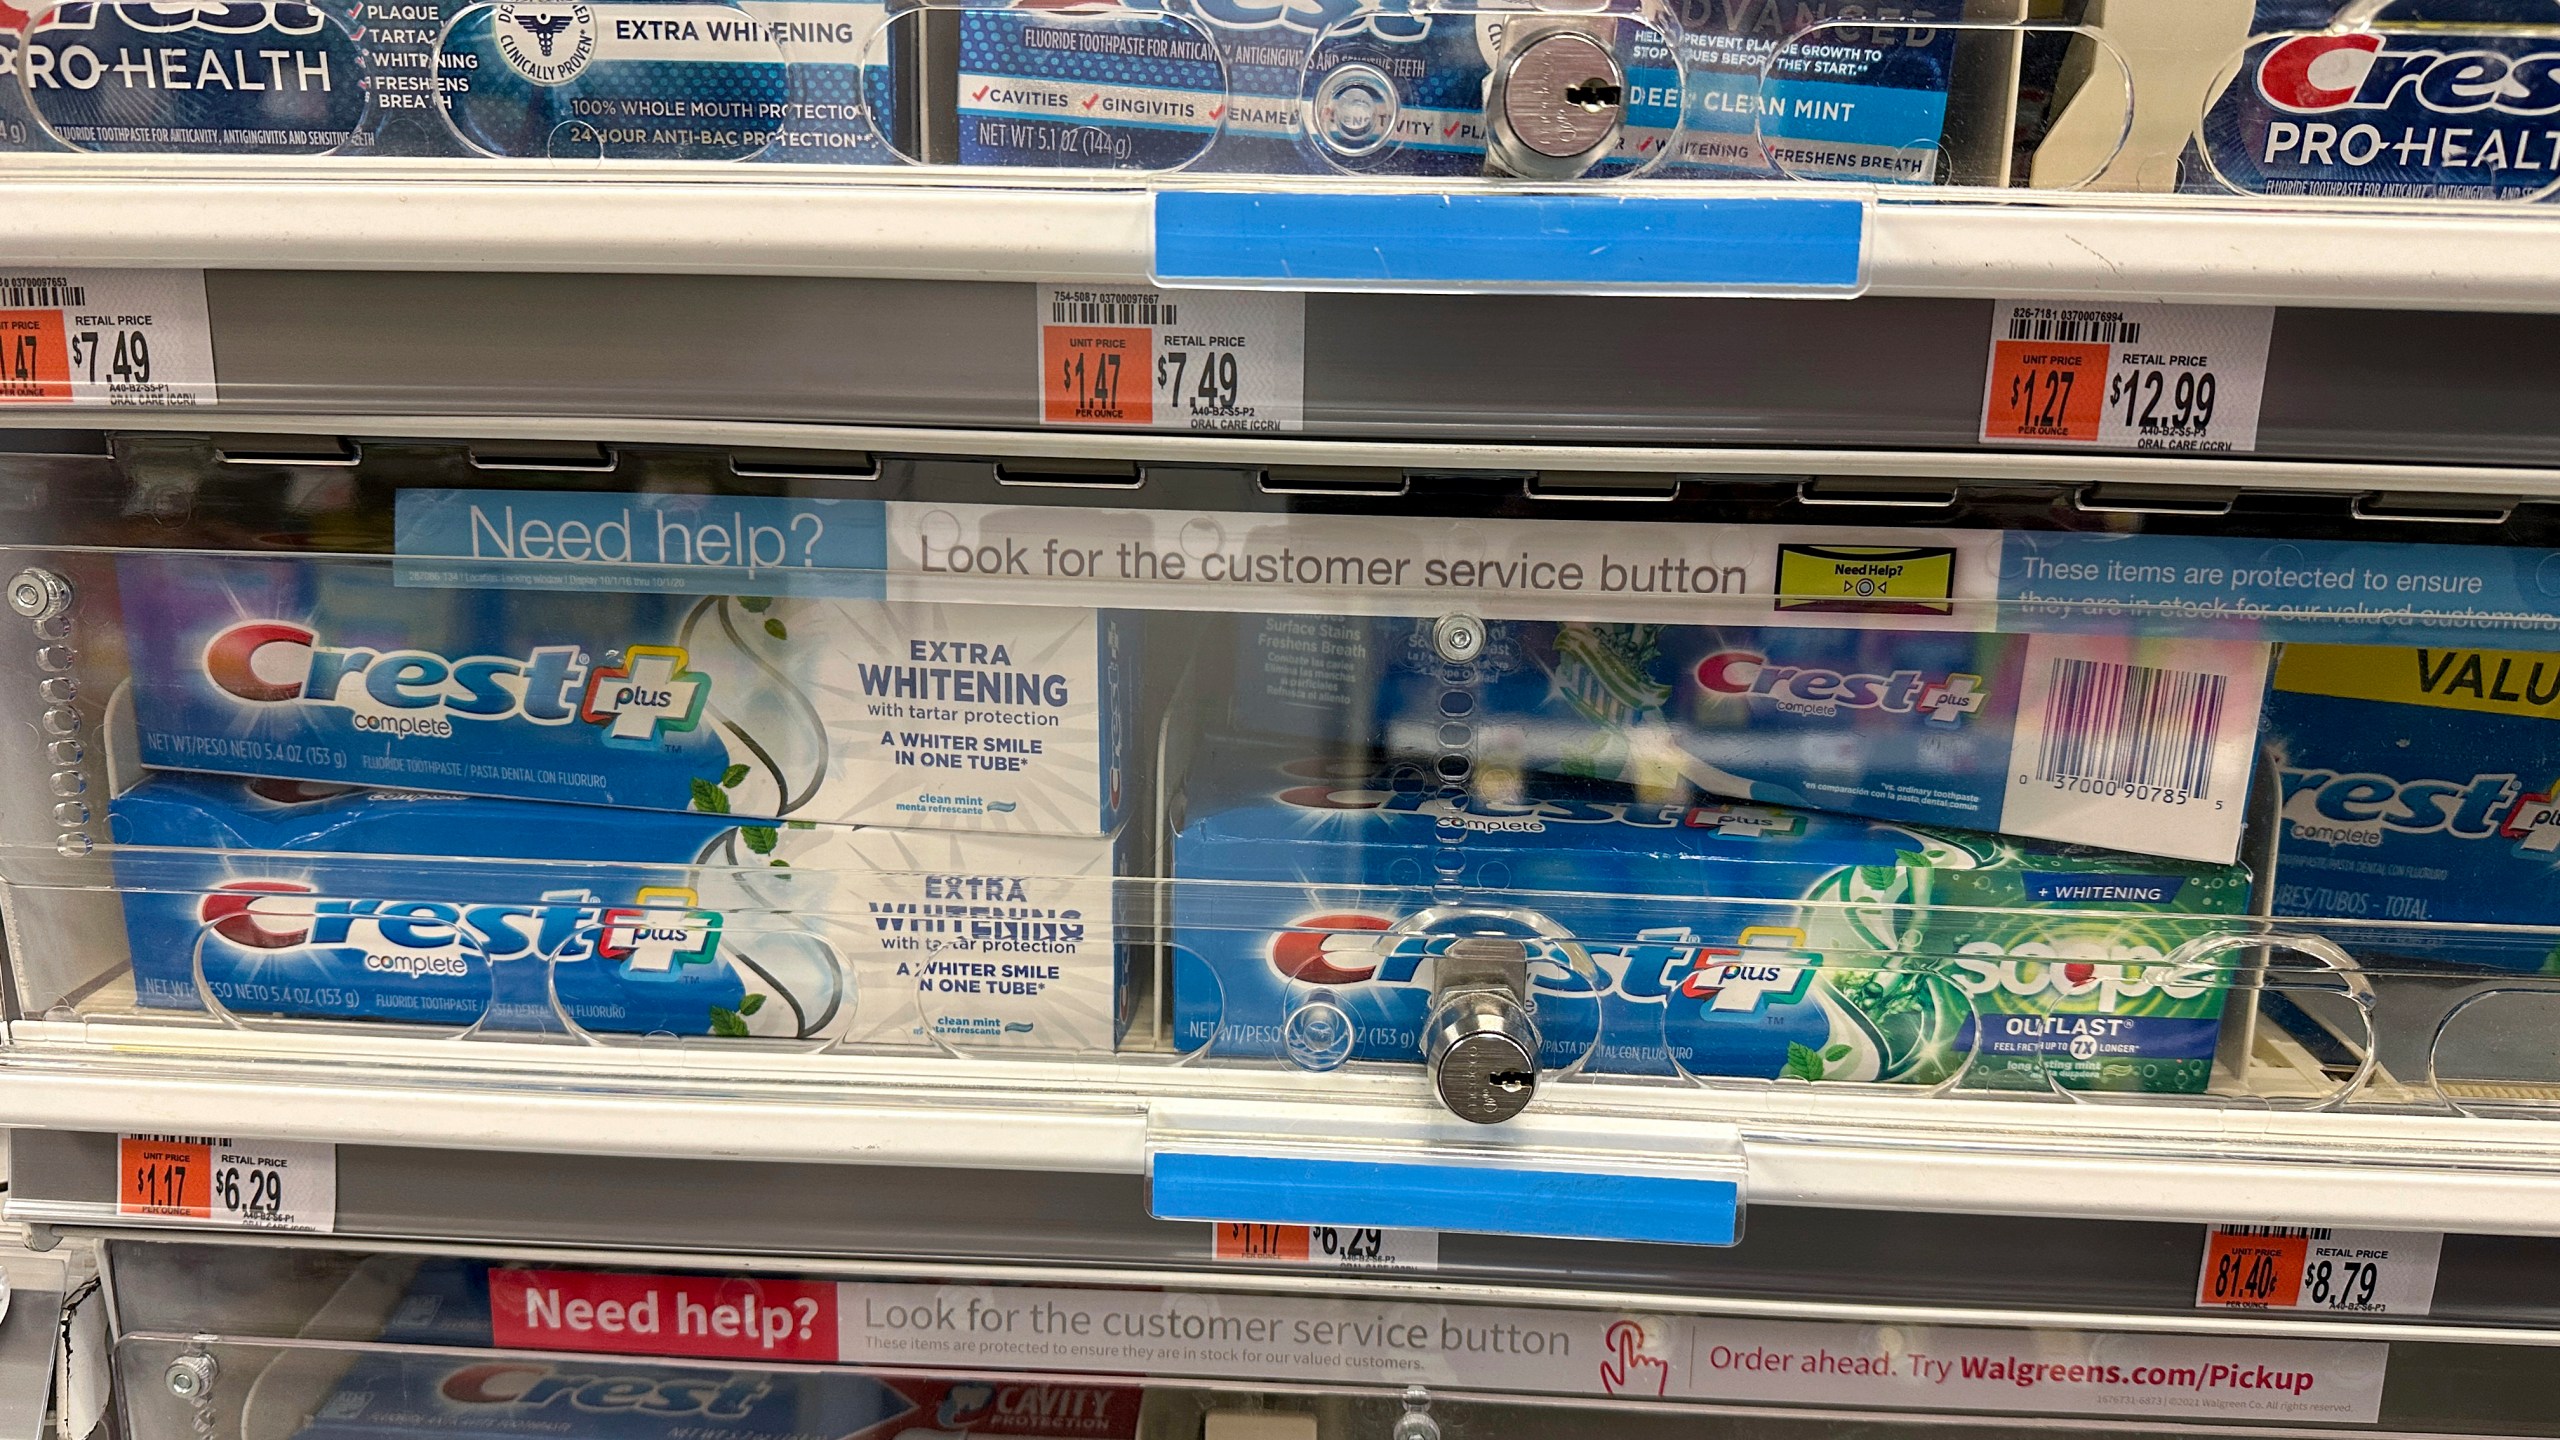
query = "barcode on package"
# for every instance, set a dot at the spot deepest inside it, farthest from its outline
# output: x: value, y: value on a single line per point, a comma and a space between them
x: 1113, y: 310
x: 44, y: 294
x: 2143, y: 730
x: 2076, y: 327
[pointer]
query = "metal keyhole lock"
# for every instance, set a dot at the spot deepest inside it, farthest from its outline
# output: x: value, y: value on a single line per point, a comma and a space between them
x: 1481, y: 1043
x: 1554, y: 105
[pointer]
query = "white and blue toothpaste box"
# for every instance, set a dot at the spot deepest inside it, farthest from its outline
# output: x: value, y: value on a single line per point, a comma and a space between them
x: 854, y: 712
x: 1666, y: 938
x: 2422, y: 785
x: 287, y: 899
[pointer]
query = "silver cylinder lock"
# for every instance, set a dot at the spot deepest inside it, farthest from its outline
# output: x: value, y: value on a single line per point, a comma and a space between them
x: 1554, y: 105
x: 1481, y: 1042
x: 39, y: 594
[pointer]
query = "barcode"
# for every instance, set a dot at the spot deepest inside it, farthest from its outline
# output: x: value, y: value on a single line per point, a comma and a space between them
x: 46, y: 294
x: 2094, y: 329
x: 2298, y: 1232
x: 2132, y: 728
x: 1113, y: 310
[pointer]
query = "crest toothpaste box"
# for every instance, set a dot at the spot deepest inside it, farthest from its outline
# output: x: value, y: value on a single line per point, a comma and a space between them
x: 1668, y: 938
x: 2417, y: 99
x: 2422, y: 785
x: 2143, y: 744
x: 284, y: 898
x: 857, y: 712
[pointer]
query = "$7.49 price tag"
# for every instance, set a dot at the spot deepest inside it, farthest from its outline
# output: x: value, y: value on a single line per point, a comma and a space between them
x: 2277, y: 1267
x: 1139, y: 358
x: 105, y: 337
x: 2126, y: 377
x: 1326, y: 1247
x: 243, y: 1184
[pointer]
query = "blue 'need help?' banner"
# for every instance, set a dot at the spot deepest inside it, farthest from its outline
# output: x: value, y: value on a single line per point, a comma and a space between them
x: 536, y: 540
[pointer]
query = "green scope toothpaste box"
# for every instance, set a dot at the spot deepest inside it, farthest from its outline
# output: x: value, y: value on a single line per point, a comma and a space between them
x: 1710, y: 939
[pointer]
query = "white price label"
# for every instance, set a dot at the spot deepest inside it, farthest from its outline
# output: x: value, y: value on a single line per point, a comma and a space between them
x: 2281, y: 1267
x: 1140, y: 358
x: 244, y: 1184
x: 1327, y: 1247
x: 105, y: 337
x: 2126, y: 377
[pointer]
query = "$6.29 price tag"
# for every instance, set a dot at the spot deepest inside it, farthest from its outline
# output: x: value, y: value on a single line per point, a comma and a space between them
x: 1142, y: 358
x: 1327, y: 1247
x: 243, y: 1184
x: 2127, y: 377
x: 2363, y: 1272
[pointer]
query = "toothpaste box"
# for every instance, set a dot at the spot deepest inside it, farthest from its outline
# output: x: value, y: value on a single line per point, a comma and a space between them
x: 775, y: 80
x: 858, y: 712
x: 2142, y: 744
x: 2422, y: 785
x: 511, y: 1394
x: 284, y: 898
x: 2416, y: 99
x: 1665, y: 938
x: 1248, y: 86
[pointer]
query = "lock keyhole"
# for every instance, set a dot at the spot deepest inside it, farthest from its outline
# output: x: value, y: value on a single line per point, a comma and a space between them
x: 1595, y: 94
x: 1511, y: 1082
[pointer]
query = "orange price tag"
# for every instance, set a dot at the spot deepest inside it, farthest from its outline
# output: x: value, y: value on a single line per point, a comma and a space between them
x: 1097, y: 375
x: 161, y: 1176
x: 1285, y: 1243
x: 2044, y: 391
x: 2258, y: 1271
x: 35, y: 358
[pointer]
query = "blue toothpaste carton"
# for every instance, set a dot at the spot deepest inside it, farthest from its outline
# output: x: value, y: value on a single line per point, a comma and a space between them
x: 2418, y: 99
x: 284, y: 898
x: 1670, y: 938
x: 858, y: 712
x: 1754, y: 88
x: 2141, y: 744
x: 2423, y: 785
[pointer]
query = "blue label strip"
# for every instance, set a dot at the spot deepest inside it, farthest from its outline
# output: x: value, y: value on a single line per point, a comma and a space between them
x: 1561, y: 1204
x: 1706, y: 243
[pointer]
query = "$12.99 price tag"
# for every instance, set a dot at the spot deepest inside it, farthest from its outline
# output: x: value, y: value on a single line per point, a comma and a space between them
x: 2278, y: 1267
x: 1326, y: 1247
x: 2127, y: 377
x: 1207, y: 360
x: 244, y: 1184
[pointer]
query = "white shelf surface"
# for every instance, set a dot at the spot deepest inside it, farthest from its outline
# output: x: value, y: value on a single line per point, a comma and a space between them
x: 979, y: 225
x: 1842, y: 1148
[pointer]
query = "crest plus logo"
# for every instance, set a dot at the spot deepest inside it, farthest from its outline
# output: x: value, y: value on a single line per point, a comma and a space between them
x: 548, y: 43
x: 1765, y: 965
x: 1810, y: 690
x: 659, y: 933
x: 2535, y: 821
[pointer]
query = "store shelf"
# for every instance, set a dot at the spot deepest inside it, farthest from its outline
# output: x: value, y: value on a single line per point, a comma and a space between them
x: 982, y: 226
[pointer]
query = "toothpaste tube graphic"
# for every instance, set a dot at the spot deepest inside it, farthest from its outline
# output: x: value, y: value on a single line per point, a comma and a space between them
x: 965, y: 717
x: 2081, y: 739
x: 1699, y: 938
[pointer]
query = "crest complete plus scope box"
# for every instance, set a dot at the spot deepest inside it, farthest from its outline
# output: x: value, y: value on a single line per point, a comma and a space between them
x: 1881, y: 953
x: 858, y: 712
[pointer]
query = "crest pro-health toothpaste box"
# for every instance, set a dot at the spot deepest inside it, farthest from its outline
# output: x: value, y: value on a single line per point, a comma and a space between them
x: 1669, y: 937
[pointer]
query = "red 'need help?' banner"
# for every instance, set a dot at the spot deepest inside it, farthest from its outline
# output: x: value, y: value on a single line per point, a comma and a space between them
x: 716, y: 1317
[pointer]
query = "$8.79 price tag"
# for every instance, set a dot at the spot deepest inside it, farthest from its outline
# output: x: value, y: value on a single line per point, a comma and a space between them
x: 2127, y: 377
x: 2275, y: 1267
x: 244, y: 1184
x: 105, y: 337
x: 1327, y: 1247
x: 1207, y: 360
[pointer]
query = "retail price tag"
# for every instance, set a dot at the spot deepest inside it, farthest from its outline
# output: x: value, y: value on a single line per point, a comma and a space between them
x: 2126, y: 377
x: 244, y: 1184
x: 2279, y: 1267
x: 1326, y: 1247
x: 1141, y: 358
x: 105, y: 337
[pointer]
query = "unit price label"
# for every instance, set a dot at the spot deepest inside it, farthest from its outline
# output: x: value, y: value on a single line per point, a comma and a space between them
x: 243, y: 1184
x: 2126, y: 377
x: 2363, y: 1272
x: 1327, y: 1247
x: 105, y: 337
x: 1207, y: 360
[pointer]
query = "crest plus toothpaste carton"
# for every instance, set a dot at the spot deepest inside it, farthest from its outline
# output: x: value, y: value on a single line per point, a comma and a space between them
x: 2422, y: 785
x: 859, y: 712
x: 283, y: 898
x: 2417, y: 99
x: 2140, y: 744
x: 1705, y: 939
